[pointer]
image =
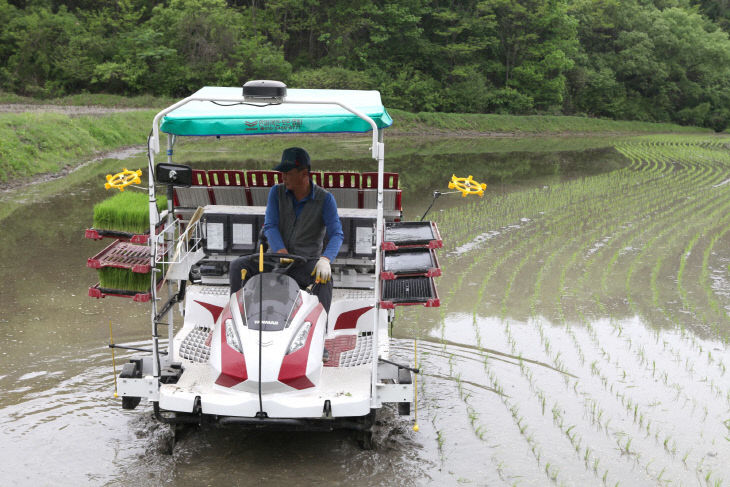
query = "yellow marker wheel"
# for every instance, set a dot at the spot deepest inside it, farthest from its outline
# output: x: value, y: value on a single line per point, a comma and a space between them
x: 467, y: 186
x: 123, y: 179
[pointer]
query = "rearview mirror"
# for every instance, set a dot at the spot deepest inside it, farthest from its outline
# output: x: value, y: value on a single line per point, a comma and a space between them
x: 174, y: 174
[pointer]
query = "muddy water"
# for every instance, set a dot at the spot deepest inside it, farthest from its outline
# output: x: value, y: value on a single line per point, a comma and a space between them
x: 582, y: 337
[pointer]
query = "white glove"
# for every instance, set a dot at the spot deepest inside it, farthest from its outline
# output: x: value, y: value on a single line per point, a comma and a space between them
x: 322, y: 271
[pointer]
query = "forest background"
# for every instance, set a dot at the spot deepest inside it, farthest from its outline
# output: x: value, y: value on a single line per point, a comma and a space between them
x: 659, y: 61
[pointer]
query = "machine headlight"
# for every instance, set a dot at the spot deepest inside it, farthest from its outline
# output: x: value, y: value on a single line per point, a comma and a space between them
x: 232, y: 336
x: 300, y: 338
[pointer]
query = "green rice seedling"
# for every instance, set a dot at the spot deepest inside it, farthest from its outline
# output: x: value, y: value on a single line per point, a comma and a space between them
x: 123, y: 279
x: 551, y: 471
x: 126, y: 211
x: 686, y: 455
x: 440, y: 441
x: 660, y: 167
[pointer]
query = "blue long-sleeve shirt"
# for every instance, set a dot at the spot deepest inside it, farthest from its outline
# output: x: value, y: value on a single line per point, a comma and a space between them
x: 335, y: 236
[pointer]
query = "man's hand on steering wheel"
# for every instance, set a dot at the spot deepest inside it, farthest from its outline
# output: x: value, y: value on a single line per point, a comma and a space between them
x: 284, y: 260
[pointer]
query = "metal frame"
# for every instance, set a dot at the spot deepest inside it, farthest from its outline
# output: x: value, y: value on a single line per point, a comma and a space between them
x: 377, y: 152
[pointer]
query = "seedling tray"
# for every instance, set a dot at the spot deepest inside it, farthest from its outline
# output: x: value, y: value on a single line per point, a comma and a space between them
x: 98, y: 292
x: 399, y: 235
x: 96, y: 234
x: 135, y: 238
x: 122, y: 255
x: 408, y: 291
x: 410, y: 262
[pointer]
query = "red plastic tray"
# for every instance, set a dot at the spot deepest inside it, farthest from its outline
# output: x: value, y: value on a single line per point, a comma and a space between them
x: 96, y: 291
x: 100, y: 292
x: 123, y: 255
x: 135, y: 238
x: 94, y: 234
x: 431, y: 303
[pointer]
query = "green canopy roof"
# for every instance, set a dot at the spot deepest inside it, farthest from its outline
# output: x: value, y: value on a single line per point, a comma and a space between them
x: 231, y: 118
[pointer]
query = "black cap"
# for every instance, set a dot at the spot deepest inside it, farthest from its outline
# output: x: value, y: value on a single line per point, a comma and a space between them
x: 293, y: 158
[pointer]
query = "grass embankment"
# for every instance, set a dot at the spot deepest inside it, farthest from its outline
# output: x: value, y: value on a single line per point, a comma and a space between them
x: 89, y: 99
x: 33, y: 143
x: 525, y: 124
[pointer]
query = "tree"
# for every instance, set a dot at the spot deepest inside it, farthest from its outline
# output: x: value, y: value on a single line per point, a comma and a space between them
x: 48, y: 53
x: 537, y: 41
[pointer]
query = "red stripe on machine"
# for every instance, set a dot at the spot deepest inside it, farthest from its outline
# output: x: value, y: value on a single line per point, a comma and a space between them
x: 214, y: 310
x: 348, y: 319
x: 233, y: 364
x: 293, y: 370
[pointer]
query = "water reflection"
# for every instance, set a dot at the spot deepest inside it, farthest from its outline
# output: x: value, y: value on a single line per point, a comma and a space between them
x: 584, y: 340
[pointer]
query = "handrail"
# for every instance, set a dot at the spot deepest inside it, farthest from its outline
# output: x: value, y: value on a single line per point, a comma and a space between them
x: 186, y: 242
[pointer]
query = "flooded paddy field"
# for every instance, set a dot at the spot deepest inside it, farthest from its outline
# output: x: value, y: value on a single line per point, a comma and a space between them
x: 581, y: 339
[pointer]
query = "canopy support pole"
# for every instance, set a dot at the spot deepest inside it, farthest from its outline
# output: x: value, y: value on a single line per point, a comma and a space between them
x: 380, y: 148
x: 169, y: 239
x: 154, y: 217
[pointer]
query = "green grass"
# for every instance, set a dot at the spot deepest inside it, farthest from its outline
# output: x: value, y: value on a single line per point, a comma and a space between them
x: 126, y: 211
x: 526, y: 124
x: 35, y: 143
x: 91, y: 99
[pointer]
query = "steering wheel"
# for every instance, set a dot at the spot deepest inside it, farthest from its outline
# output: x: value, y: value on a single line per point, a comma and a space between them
x: 279, y: 267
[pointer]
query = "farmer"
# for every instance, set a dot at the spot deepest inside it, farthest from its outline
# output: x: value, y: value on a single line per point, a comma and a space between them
x: 298, y: 215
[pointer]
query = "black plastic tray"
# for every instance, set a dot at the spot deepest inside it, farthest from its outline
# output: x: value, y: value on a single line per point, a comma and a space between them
x: 411, y: 234
x: 408, y: 291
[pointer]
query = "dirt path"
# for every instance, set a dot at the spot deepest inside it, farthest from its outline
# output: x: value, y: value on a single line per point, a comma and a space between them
x: 120, y: 154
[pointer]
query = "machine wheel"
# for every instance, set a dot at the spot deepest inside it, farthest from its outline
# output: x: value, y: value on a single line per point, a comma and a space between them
x: 131, y: 370
x: 404, y: 377
x: 129, y: 402
x: 364, y: 436
x: 365, y: 440
x: 183, y: 430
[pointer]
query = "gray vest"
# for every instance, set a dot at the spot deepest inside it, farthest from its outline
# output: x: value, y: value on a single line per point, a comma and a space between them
x: 302, y: 235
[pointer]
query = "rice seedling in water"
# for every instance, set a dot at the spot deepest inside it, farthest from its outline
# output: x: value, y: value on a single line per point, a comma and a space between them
x: 668, y: 199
